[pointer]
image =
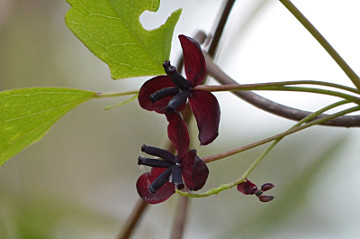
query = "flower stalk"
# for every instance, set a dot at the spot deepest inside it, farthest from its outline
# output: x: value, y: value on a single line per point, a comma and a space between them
x: 276, y: 86
x: 273, y: 85
x: 271, y: 106
x: 276, y: 138
x: 323, y: 42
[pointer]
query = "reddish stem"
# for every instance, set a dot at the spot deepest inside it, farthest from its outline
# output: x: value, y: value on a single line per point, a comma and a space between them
x: 133, y: 219
x: 180, y: 218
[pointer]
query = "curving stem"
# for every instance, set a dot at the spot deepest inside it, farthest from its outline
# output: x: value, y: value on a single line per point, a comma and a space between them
x: 323, y: 42
x: 271, y: 106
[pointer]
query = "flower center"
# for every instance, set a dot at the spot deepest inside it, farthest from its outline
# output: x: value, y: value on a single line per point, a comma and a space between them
x: 181, y: 92
x: 176, y: 77
x: 170, y: 162
x: 164, y: 92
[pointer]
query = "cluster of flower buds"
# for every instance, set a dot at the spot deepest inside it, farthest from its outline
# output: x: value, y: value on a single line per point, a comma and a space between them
x: 249, y: 188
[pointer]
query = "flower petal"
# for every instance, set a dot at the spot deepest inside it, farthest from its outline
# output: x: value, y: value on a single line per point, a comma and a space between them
x: 206, y: 110
x: 267, y: 186
x: 194, y: 171
x: 151, y: 86
x: 178, y: 133
x: 265, y: 198
x: 247, y: 187
x: 146, y: 179
x: 194, y: 61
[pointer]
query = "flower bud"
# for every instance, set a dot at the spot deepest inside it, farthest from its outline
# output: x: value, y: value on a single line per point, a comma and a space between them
x: 247, y: 188
x: 265, y: 198
x: 267, y: 186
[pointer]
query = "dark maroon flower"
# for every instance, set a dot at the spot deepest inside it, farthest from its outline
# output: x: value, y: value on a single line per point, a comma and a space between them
x: 249, y: 188
x: 169, y: 93
x: 171, y: 171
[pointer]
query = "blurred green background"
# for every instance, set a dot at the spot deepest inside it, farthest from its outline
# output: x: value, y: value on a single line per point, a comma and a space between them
x: 79, y: 181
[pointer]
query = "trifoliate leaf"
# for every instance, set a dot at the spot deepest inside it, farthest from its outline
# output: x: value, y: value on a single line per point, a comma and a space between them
x: 112, y: 31
x: 27, y: 114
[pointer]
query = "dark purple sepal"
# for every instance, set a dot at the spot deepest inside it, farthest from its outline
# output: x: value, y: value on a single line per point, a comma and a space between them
x: 265, y: 198
x: 178, y: 133
x: 267, y: 186
x: 144, y: 182
x: 247, y: 188
x: 206, y: 110
x: 150, y: 87
x: 194, y: 61
x: 194, y: 171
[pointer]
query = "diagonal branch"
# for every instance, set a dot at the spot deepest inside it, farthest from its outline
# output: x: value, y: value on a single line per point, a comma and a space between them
x: 133, y: 219
x: 180, y: 218
x: 323, y: 42
x: 220, y: 27
x: 271, y: 106
x: 183, y: 204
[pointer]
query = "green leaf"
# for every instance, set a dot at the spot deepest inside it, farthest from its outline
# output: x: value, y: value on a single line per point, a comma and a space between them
x: 112, y: 31
x: 27, y: 114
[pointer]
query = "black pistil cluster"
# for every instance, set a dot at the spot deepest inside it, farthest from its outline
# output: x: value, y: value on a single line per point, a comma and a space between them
x: 180, y: 93
x: 169, y: 161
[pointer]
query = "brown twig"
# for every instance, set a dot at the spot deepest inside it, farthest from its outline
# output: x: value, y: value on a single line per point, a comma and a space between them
x: 222, y: 155
x: 180, y: 218
x: 133, y: 219
x: 220, y: 27
x: 183, y: 204
x: 271, y: 106
x: 323, y: 42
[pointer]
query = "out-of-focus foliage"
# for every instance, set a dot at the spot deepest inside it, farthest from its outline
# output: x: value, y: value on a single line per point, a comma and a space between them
x: 52, y: 218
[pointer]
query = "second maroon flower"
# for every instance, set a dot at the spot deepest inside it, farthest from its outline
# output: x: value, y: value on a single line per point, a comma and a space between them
x: 171, y: 171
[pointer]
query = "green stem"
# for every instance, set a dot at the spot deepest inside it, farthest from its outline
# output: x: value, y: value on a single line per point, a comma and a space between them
x: 318, y: 91
x: 116, y: 93
x: 276, y: 140
x: 258, y: 86
x: 271, y: 106
x: 288, y: 132
x: 261, y: 86
x: 323, y: 42
x: 270, y: 84
x: 279, y: 86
